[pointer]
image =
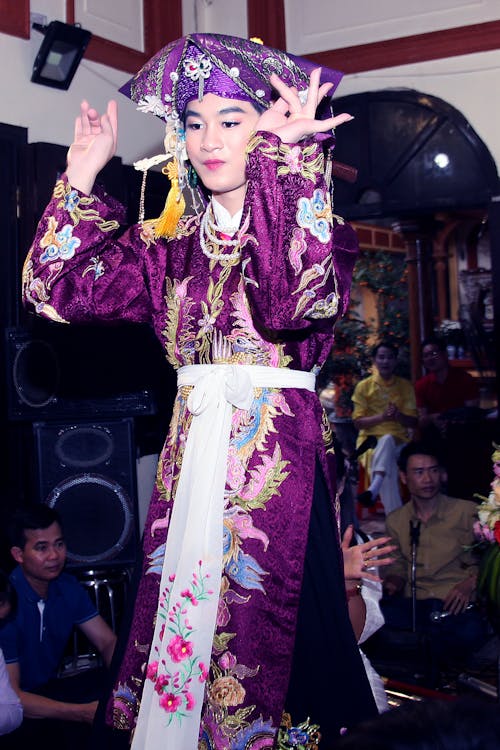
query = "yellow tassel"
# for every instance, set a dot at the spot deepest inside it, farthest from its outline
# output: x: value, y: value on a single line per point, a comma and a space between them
x: 166, y: 224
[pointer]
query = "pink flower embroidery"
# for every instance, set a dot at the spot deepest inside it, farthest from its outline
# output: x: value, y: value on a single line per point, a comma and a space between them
x: 227, y: 661
x: 161, y: 682
x: 293, y: 159
x: 152, y: 670
x: 179, y: 649
x: 188, y: 595
x: 190, y: 702
x: 203, y: 672
x: 170, y: 702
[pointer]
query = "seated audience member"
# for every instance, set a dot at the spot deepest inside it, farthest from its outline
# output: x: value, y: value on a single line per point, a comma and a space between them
x: 384, y: 407
x: 11, y: 710
x: 50, y: 604
x: 446, y: 568
x: 444, y: 389
x: 463, y: 724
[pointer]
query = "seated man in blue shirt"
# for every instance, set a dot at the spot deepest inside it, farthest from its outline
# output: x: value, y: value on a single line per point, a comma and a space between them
x: 50, y: 604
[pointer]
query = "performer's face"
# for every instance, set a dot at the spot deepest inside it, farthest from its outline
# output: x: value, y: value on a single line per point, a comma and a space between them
x: 217, y: 133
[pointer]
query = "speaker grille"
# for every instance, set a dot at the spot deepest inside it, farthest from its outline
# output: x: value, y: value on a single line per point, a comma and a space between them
x: 35, y: 373
x: 86, y: 471
x: 84, y: 446
x: 97, y: 517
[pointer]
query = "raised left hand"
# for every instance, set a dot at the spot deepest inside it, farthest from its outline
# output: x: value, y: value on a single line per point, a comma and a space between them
x: 361, y: 560
x: 291, y: 120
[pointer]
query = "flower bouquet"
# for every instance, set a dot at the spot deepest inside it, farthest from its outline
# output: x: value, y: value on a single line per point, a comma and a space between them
x: 487, y: 530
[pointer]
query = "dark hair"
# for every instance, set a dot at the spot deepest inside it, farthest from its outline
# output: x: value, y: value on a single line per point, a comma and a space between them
x: 39, y: 516
x: 7, y: 592
x: 461, y: 724
x: 433, y: 341
x: 418, y: 448
x: 384, y: 345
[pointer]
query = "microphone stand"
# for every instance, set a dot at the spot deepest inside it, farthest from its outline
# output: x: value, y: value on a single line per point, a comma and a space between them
x: 414, y: 539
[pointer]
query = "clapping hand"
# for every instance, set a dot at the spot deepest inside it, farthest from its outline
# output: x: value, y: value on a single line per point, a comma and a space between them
x: 391, y: 413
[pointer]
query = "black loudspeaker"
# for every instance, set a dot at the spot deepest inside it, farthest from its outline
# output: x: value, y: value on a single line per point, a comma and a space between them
x: 86, y: 471
x: 77, y: 372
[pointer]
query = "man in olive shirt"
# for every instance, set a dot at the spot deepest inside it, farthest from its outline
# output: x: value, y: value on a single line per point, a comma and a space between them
x: 446, y: 569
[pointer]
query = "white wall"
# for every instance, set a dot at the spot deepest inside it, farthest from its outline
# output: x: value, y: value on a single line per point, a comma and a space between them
x: 470, y: 83
x: 49, y: 113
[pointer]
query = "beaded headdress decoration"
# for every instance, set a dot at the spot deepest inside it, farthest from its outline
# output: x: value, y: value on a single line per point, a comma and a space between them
x: 197, y: 64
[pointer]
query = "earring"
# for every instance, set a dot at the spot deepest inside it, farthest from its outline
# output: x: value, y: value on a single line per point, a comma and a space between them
x: 192, y: 177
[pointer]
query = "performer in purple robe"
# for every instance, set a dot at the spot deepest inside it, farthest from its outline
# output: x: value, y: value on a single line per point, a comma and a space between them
x: 241, y: 613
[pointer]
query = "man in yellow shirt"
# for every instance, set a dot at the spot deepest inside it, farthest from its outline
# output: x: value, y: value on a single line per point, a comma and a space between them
x: 384, y: 406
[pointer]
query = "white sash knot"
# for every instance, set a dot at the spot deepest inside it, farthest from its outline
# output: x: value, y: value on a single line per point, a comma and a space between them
x: 179, y: 660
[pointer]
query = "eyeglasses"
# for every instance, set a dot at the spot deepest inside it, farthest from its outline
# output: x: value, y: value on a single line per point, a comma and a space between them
x: 434, y: 353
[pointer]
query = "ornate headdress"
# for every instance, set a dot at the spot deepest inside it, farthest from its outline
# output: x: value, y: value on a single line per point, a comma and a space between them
x: 198, y: 64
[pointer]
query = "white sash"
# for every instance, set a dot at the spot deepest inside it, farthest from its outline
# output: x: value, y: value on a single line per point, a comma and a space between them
x: 170, y: 711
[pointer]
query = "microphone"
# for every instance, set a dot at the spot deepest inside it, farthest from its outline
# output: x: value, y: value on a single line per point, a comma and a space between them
x: 414, y: 532
x: 437, y: 615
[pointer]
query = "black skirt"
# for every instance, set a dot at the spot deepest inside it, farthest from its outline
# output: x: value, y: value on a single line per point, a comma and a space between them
x: 328, y: 682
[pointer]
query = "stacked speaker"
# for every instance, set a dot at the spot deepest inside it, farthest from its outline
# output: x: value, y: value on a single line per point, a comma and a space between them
x: 86, y: 471
x: 84, y: 452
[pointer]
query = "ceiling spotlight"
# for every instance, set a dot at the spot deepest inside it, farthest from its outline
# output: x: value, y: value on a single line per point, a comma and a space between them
x: 441, y: 160
x: 58, y: 58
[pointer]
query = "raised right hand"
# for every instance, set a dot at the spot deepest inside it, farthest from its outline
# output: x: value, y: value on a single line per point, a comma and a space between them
x: 94, y: 144
x: 291, y: 119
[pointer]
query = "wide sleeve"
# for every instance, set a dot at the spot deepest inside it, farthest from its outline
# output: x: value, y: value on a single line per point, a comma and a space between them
x: 297, y: 263
x: 79, y: 268
x: 83, y: 607
x: 359, y: 400
x: 11, y: 710
x: 371, y: 591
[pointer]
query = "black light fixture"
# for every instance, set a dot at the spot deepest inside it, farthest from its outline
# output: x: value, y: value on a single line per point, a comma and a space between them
x: 60, y: 53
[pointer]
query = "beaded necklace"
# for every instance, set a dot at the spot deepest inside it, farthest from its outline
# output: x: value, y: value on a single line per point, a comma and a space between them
x: 209, y: 231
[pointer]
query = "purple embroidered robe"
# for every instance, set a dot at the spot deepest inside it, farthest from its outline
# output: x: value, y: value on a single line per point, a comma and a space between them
x: 274, y: 303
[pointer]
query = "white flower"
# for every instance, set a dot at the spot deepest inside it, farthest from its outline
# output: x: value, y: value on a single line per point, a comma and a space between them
x: 154, y: 105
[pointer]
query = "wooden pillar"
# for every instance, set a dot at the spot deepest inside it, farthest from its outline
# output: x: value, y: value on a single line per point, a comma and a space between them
x: 266, y: 20
x: 419, y: 311
x: 440, y: 256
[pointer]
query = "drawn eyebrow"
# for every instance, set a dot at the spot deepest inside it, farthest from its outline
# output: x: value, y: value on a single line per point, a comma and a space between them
x: 225, y: 111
